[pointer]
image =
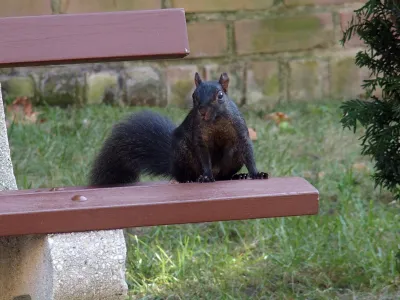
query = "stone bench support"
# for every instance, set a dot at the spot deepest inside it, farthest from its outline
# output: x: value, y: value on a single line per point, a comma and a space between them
x: 72, y: 266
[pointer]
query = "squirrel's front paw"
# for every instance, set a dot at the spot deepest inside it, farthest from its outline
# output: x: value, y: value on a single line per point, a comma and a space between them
x: 205, y: 178
x: 239, y: 176
x: 259, y: 175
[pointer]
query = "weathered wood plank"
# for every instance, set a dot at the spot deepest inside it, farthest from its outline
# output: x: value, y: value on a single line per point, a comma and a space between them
x: 95, y: 37
x: 31, y: 212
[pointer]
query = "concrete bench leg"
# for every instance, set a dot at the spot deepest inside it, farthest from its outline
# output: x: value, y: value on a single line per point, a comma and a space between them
x: 76, y: 266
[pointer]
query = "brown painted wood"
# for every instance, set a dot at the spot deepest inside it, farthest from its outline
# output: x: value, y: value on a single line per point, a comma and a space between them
x: 148, y: 205
x: 72, y: 188
x: 95, y: 37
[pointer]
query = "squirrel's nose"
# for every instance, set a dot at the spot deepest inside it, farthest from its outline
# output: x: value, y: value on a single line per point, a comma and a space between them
x: 203, y: 111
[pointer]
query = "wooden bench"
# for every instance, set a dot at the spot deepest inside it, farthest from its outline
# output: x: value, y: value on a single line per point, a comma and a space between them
x: 51, y: 211
x: 123, y: 36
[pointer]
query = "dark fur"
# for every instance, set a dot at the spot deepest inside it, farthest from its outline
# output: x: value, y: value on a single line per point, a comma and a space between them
x: 212, y: 143
x: 139, y: 144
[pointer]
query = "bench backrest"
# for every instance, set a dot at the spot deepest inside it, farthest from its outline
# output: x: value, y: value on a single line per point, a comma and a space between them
x: 95, y: 37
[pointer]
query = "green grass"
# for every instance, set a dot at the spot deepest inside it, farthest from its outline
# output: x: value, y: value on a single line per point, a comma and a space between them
x: 346, y: 252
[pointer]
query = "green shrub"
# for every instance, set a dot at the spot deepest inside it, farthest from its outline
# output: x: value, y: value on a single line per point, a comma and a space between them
x: 377, y: 24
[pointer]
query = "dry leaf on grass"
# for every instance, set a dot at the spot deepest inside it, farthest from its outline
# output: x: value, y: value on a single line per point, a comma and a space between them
x: 311, y: 174
x: 21, y: 111
x: 253, y: 134
x: 277, y: 117
x: 361, y: 167
x: 22, y: 103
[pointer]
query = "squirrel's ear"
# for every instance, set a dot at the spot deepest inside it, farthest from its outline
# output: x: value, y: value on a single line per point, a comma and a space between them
x: 197, y: 79
x: 224, y: 81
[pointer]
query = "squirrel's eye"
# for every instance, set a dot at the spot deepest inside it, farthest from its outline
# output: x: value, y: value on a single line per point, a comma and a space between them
x: 220, y: 95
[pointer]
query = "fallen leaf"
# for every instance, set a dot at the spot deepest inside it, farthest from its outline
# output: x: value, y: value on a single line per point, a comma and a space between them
x: 360, y: 167
x: 310, y: 174
x: 253, y: 134
x: 277, y: 117
x: 25, y: 103
x: 21, y: 110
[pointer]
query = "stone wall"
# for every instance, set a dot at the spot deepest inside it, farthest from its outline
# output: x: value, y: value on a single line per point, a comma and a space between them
x: 273, y: 50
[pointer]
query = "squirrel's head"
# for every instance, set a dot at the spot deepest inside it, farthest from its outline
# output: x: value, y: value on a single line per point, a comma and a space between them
x: 210, y: 98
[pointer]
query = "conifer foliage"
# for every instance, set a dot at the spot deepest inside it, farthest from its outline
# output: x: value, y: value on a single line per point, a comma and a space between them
x: 377, y: 24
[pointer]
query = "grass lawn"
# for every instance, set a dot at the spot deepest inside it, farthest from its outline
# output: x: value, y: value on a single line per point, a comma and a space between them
x: 346, y: 252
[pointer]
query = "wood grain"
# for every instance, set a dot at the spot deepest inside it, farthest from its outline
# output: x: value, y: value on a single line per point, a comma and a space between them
x: 95, y: 37
x: 34, y: 212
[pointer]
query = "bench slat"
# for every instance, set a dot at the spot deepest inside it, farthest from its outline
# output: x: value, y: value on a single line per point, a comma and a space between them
x: 95, y: 37
x: 34, y: 212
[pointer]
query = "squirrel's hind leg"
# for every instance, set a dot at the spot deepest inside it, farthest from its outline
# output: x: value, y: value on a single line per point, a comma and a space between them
x: 184, y: 174
x: 232, y: 173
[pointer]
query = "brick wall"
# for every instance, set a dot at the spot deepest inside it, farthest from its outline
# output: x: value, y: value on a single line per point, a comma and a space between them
x: 273, y: 50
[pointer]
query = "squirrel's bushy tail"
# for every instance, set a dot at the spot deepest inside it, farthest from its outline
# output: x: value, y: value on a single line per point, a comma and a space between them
x: 138, y: 145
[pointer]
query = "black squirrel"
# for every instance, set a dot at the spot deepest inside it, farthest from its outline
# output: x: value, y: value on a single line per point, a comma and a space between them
x: 211, y: 144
